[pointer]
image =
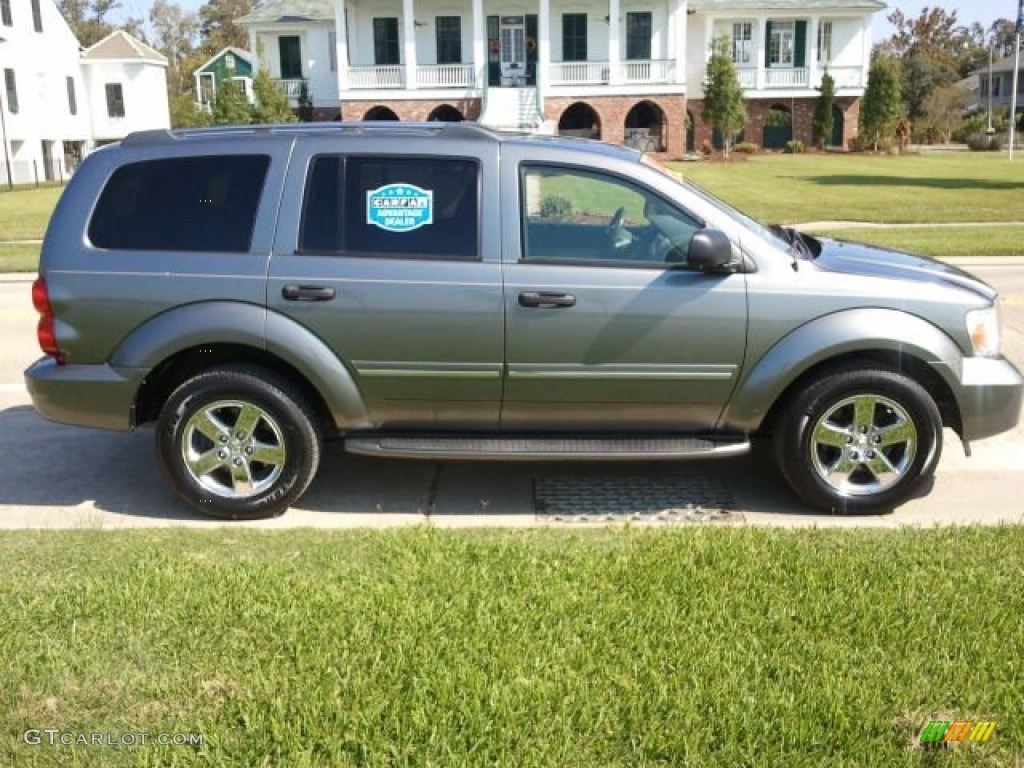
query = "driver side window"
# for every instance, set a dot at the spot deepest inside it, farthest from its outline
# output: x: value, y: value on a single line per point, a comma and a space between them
x: 578, y: 215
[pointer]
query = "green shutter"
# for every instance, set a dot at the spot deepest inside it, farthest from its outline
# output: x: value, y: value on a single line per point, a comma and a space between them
x: 800, y: 55
x: 531, y: 56
x: 768, y: 44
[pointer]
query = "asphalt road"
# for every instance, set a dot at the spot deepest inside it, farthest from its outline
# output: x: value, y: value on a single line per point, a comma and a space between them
x: 54, y: 476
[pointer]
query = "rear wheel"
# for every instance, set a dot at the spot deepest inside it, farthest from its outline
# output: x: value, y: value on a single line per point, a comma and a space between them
x: 238, y: 442
x: 859, y: 440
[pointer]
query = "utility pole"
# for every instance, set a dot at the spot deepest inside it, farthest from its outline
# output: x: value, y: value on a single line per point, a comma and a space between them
x: 1016, y: 76
x: 990, y: 130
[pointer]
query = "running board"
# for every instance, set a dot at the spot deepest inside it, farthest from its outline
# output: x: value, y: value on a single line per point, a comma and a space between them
x: 545, y: 448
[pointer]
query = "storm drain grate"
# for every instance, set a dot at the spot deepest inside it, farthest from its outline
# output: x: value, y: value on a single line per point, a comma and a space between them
x: 593, y: 498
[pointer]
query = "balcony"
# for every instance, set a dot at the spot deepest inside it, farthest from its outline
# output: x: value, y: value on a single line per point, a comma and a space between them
x: 391, y: 76
x: 786, y: 77
x: 647, y: 71
x: 847, y: 77
x: 445, y: 76
x: 747, y: 77
x: 292, y: 88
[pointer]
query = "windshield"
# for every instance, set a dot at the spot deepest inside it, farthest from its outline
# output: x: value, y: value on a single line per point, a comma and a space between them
x: 737, y: 215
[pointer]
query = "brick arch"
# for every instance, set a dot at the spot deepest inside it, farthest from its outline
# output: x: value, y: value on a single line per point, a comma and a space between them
x: 446, y: 113
x: 381, y: 112
x: 580, y: 119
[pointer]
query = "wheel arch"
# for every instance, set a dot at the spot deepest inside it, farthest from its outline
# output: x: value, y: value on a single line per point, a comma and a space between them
x: 888, y: 339
x: 177, y: 344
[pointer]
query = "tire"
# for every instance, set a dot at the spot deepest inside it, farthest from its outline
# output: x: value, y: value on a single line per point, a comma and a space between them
x: 859, y: 441
x: 215, y: 468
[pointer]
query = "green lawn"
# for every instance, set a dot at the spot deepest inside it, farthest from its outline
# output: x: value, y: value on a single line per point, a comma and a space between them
x: 24, y: 212
x: 968, y: 241
x: 616, y: 647
x: 20, y: 257
x: 958, y: 186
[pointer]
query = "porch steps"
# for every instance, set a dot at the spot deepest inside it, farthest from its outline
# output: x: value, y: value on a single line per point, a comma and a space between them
x: 514, y: 109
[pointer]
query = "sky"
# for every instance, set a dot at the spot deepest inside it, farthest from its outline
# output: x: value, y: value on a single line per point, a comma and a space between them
x: 968, y: 11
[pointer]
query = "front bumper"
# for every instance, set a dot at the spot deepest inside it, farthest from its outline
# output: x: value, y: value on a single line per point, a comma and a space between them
x: 989, y: 393
x: 84, y: 395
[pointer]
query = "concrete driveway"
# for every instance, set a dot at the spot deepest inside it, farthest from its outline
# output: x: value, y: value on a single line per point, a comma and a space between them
x: 54, y: 476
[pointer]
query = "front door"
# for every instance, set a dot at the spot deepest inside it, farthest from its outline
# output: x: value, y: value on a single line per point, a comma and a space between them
x: 512, y: 37
x: 607, y: 329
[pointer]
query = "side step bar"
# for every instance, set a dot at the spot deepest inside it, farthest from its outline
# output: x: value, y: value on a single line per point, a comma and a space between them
x: 542, y: 448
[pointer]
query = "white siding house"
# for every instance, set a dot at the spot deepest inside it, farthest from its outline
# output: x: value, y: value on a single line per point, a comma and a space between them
x: 620, y: 70
x: 49, y: 117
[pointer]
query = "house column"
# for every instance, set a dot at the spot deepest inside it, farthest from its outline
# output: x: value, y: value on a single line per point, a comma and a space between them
x: 340, y: 45
x: 677, y: 35
x: 543, y: 51
x: 613, y: 42
x: 814, y: 41
x: 866, y: 56
x: 409, y: 43
x: 479, y: 45
x: 760, y: 33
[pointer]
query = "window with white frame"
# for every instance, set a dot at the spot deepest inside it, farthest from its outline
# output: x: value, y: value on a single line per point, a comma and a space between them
x: 825, y: 41
x: 781, y: 44
x: 742, y: 43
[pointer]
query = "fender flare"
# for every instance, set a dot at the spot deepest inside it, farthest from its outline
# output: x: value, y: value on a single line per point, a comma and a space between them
x: 223, y: 322
x: 831, y: 336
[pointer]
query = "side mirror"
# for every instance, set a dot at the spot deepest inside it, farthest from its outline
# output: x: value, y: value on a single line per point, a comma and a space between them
x: 709, y: 250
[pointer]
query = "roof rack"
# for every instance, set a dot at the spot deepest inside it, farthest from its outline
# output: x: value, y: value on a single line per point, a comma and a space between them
x: 465, y: 130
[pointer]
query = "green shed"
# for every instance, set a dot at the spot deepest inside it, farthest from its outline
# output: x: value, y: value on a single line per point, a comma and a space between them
x: 228, y: 64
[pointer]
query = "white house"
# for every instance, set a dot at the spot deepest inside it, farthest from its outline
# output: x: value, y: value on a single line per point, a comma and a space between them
x: 1001, y: 84
x: 620, y: 70
x: 52, y: 98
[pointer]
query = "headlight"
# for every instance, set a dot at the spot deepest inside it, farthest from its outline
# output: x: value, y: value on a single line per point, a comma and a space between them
x: 983, y: 328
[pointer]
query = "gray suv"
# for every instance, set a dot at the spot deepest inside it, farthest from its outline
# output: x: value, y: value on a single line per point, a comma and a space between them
x: 440, y: 291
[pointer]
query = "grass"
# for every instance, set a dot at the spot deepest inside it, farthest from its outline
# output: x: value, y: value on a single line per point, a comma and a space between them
x: 968, y: 241
x: 695, y: 647
x: 20, y: 257
x: 928, y: 188
x: 24, y: 212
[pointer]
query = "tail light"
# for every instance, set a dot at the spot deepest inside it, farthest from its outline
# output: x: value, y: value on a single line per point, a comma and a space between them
x: 45, y: 330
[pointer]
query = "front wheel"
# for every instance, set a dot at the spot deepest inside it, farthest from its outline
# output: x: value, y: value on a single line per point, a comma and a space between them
x: 859, y: 440
x: 238, y: 442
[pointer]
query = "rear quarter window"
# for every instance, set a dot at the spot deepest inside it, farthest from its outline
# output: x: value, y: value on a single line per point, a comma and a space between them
x: 181, y: 204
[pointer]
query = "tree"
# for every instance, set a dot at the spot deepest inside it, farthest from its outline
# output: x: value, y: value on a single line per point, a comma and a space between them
x: 944, y: 109
x: 823, y: 120
x: 723, y: 96
x: 185, y: 113
x: 1002, y: 36
x: 880, y: 109
x: 230, y: 107
x: 271, y: 100
x: 88, y: 20
x: 218, y: 25
x: 175, y: 33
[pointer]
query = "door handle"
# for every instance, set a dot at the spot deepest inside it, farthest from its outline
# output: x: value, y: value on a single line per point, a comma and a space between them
x: 546, y: 299
x: 307, y: 293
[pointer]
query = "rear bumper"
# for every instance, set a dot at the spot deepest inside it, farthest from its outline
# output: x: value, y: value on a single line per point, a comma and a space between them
x: 84, y: 395
x: 990, y: 395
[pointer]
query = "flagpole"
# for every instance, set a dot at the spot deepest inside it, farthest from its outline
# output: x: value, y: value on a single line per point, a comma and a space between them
x: 1013, y: 97
x: 1016, y: 76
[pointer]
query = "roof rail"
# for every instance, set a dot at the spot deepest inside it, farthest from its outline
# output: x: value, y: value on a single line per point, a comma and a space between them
x: 465, y: 130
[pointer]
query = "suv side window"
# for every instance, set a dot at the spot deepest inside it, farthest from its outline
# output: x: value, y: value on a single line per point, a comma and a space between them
x: 181, y: 204
x: 402, y: 207
x: 578, y: 215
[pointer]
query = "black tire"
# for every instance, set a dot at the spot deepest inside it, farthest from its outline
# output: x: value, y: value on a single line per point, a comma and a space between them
x: 839, y: 403
x: 284, y: 432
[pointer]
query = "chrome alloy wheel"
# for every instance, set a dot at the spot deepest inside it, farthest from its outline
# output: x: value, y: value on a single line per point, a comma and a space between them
x: 233, y: 449
x: 863, y: 445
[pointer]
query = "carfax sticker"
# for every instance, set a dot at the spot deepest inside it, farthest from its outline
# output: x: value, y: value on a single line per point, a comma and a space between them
x: 400, y: 207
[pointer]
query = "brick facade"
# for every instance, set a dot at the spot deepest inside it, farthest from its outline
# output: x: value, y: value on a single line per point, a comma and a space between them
x: 411, y: 110
x: 612, y: 110
x: 803, y: 120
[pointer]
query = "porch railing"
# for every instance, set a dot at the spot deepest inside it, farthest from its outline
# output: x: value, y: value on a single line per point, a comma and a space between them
x: 292, y: 87
x: 786, y: 77
x: 445, y: 76
x: 747, y: 76
x: 579, y: 72
x: 376, y: 77
x: 650, y: 71
x: 599, y: 72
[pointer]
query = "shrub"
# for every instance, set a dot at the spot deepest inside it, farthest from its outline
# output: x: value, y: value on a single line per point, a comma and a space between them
x: 747, y: 148
x: 795, y: 147
x: 981, y: 142
x: 555, y: 207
